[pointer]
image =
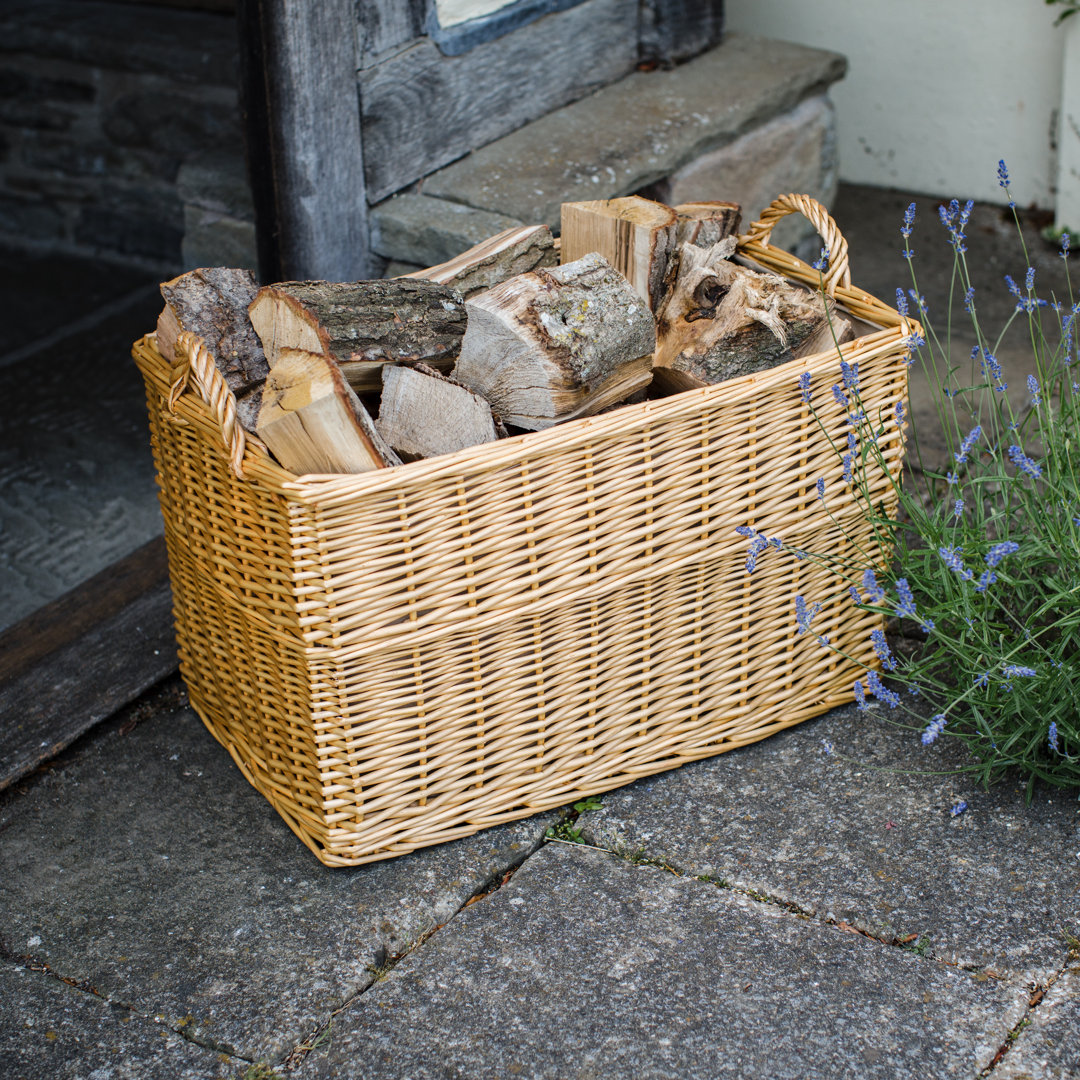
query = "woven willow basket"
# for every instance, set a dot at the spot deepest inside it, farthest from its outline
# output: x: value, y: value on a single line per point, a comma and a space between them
x: 403, y: 657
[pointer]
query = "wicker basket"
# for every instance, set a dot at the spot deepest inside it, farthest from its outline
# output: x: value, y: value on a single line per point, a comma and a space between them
x: 403, y: 657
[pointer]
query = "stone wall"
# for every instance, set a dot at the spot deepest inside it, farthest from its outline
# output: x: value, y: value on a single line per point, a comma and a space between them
x: 101, y: 107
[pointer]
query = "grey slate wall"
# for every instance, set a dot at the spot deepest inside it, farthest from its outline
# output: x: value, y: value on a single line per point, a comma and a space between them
x: 100, y: 106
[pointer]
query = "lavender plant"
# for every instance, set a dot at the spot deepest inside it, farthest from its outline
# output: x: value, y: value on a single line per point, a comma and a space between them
x: 981, y: 563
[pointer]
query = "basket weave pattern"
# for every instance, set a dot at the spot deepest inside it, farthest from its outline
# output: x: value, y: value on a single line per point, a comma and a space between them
x: 403, y: 657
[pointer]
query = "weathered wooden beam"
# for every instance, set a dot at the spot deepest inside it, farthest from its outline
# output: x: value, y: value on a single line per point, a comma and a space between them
x: 674, y: 30
x: 423, y: 109
x: 80, y: 658
x: 303, y: 139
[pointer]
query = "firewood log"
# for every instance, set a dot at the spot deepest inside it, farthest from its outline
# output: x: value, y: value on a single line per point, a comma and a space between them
x: 213, y: 303
x: 313, y: 422
x: 423, y: 413
x: 832, y: 332
x: 362, y: 324
x: 705, y: 223
x: 721, y: 320
x: 637, y: 236
x: 554, y: 344
x: 505, y: 255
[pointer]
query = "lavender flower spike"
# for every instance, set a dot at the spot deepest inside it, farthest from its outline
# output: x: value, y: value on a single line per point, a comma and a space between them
x: 933, y: 729
x: 951, y: 558
x: 875, y: 593
x: 1024, y: 463
x: 999, y: 551
x: 968, y: 444
x: 1052, y: 737
x: 881, y: 647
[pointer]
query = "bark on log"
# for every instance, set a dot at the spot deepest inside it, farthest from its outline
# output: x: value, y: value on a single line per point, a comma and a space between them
x: 423, y: 413
x: 555, y: 344
x: 706, y: 223
x: 362, y: 325
x: 213, y: 303
x: 314, y: 423
x: 503, y: 256
x: 637, y: 236
x: 721, y: 320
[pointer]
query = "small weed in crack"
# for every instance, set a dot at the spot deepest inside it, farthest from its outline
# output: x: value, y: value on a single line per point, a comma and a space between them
x: 567, y: 830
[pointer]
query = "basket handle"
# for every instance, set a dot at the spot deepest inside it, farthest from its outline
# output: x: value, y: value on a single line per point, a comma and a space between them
x: 838, y: 272
x: 193, y: 359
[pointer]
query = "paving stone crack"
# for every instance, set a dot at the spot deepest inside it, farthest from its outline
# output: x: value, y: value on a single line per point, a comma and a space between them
x: 31, y: 963
x: 917, y: 943
x: 1038, y: 992
x: 321, y: 1033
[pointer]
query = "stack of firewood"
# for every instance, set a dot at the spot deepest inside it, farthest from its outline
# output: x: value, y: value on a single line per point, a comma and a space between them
x: 337, y: 377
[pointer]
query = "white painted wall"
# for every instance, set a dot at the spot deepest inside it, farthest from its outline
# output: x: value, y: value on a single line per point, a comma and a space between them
x: 937, y: 90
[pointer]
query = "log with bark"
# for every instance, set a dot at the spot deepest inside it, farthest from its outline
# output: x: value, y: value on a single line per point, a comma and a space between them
x: 423, y: 413
x: 213, y: 303
x: 362, y: 325
x: 637, y: 236
x: 313, y: 422
x: 555, y: 344
x: 706, y: 223
x: 502, y: 256
x: 721, y: 320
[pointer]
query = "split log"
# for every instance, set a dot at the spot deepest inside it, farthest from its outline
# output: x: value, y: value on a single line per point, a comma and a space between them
x: 313, y: 422
x: 555, y: 344
x: 705, y: 223
x: 637, y: 236
x: 502, y: 256
x: 835, y: 330
x: 423, y: 413
x: 721, y: 320
x: 213, y: 303
x: 362, y: 325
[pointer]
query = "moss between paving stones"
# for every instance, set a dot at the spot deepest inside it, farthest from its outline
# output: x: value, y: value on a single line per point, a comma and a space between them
x: 586, y: 966
x: 847, y: 838
x: 50, y: 1030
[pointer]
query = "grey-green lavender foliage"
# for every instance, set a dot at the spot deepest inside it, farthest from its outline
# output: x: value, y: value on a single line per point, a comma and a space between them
x: 982, y: 560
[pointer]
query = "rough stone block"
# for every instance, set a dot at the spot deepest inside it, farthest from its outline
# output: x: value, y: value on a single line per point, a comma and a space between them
x: 585, y: 966
x: 795, y: 152
x: 212, y: 239
x: 176, y: 122
x: 638, y: 131
x: 193, y: 46
x: 140, y: 221
x: 865, y: 836
x: 49, y: 1030
x: 31, y: 218
x: 148, y: 867
x: 216, y: 180
x: 426, y: 231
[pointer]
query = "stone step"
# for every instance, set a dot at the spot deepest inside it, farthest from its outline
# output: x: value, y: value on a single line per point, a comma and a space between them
x: 746, y: 121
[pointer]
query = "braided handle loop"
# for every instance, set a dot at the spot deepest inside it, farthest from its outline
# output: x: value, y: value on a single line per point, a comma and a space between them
x: 193, y: 359
x: 838, y: 272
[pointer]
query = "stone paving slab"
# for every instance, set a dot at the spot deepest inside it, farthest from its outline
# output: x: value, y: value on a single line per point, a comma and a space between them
x: 52, y: 1031
x: 1049, y: 1049
x: 637, y: 131
x: 146, y: 866
x: 844, y: 838
x: 586, y: 966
